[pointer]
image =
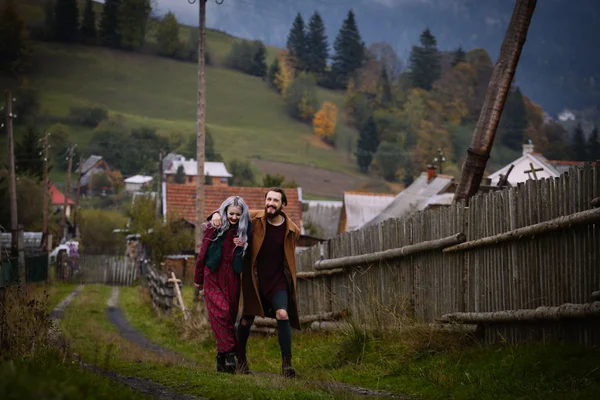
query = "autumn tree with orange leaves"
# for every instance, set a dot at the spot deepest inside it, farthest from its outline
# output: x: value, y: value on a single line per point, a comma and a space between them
x: 325, y: 120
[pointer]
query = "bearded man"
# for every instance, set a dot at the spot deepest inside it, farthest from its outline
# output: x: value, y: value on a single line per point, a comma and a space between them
x: 269, y: 277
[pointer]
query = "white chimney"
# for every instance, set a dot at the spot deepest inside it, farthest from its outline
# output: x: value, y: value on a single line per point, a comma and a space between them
x: 528, y: 147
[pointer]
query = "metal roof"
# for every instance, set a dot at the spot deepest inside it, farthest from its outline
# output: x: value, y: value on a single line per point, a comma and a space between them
x: 413, y: 198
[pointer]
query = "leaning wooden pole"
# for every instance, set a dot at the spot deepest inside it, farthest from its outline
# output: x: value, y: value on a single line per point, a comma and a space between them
x: 493, y: 104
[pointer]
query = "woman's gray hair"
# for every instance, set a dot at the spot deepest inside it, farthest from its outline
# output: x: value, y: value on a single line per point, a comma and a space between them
x: 242, y: 230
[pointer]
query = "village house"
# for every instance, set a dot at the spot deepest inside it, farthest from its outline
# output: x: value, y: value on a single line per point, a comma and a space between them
x: 321, y: 217
x: 58, y: 200
x: 94, y: 164
x: 179, y: 201
x: 137, y: 182
x: 215, y: 172
x: 531, y: 165
x: 360, y: 207
x: 429, y: 190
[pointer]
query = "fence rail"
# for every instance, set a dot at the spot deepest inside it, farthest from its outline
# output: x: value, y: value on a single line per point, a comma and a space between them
x: 537, y: 267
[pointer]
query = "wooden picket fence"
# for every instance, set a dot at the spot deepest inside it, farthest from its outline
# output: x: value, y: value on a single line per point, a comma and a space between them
x: 530, y: 246
x: 106, y: 269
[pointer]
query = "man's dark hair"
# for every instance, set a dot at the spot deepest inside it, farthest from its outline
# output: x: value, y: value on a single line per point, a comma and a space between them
x: 280, y: 191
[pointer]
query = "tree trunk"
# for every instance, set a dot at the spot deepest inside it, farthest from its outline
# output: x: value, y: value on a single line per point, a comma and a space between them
x: 502, y: 76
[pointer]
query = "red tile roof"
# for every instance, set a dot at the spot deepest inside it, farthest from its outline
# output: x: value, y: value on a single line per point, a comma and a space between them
x: 57, y: 197
x: 181, y: 200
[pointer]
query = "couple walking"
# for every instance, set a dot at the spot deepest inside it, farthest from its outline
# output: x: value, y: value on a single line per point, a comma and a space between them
x: 260, y: 246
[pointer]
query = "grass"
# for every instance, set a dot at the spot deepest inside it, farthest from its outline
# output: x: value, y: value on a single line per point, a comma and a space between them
x: 33, y: 364
x: 96, y: 340
x: 54, y: 293
x: 49, y: 377
x: 246, y: 117
x: 415, y: 362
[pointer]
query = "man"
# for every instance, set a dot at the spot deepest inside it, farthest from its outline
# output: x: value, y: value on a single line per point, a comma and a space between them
x: 269, y: 277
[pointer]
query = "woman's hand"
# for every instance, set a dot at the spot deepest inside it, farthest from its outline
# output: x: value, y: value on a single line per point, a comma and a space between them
x: 199, y: 287
x: 238, y: 242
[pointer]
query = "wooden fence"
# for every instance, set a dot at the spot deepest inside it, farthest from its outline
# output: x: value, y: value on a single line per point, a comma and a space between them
x: 107, y: 269
x: 162, y: 290
x: 537, y: 244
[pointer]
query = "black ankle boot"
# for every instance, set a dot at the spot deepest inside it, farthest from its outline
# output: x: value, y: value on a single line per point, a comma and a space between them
x: 221, y: 362
x: 230, y: 362
x: 286, y: 367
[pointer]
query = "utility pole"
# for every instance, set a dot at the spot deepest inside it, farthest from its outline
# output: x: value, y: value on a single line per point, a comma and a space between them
x: 201, y: 120
x: 495, y: 97
x: 46, y: 192
x: 159, y: 188
x: 76, y: 212
x: 67, y: 190
x: 12, y: 179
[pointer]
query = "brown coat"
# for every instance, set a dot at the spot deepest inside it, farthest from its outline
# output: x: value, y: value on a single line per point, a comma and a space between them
x: 251, y: 299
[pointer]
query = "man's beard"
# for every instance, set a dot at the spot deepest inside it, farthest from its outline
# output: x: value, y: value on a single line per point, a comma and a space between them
x: 274, y: 214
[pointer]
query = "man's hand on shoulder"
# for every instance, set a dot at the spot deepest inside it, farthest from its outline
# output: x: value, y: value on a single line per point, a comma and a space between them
x: 216, y: 220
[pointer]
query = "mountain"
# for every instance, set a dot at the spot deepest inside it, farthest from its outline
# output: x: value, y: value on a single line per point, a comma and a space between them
x: 558, y: 68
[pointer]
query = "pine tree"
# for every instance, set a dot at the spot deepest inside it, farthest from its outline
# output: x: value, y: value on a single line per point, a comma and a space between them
x: 168, y: 35
x: 297, y: 44
x: 425, y: 62
x: 273, y: 71
x: 594, y: 146
x: 88, y: 25
x: 259, y: 64
x: 367, y: 144
x: 110, y: 35
x: 132, y: 20
x: 50, y: 21
x: 349, y: 51
x: 66, y: 14
x: 317, y: 46
x: 179, y: 177
x: 385, y: 89
x: 513, y: 122
x: 28, y: 155
x: 14, y: 46
x: 459, y: 56
x: 579, y: 146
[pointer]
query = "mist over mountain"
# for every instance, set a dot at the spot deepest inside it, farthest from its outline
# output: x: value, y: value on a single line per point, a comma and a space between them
x: 558, y: 68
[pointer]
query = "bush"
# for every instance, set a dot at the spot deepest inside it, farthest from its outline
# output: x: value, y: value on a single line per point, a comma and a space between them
x: 97, y: 234
x: 249, y: 57
x: 88, y: 115
x: 242, y: 172
x: 301, y: 98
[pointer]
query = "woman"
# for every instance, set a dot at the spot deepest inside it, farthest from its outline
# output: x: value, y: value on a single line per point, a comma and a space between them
x: 218, y: 271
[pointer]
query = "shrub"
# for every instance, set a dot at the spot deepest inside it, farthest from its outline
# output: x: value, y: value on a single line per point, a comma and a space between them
x: 88, y: 115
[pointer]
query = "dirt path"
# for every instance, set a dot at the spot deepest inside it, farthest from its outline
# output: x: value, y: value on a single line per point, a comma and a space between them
x: 116, y: 317
x: 144, y: 386
x: 149, y: 387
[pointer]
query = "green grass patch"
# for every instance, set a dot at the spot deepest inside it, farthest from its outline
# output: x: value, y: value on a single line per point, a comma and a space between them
x: 415, y: 362
x: 54, y: 293
x: 96, y: 340
x: 246, y: 117
x: 50, y: 377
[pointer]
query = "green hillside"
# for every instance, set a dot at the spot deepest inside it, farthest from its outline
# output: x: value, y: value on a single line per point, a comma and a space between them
x: 245, y: 116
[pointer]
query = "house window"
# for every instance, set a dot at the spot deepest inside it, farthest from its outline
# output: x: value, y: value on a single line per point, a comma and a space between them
x: 223, y: 180
x: 190, y: 179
